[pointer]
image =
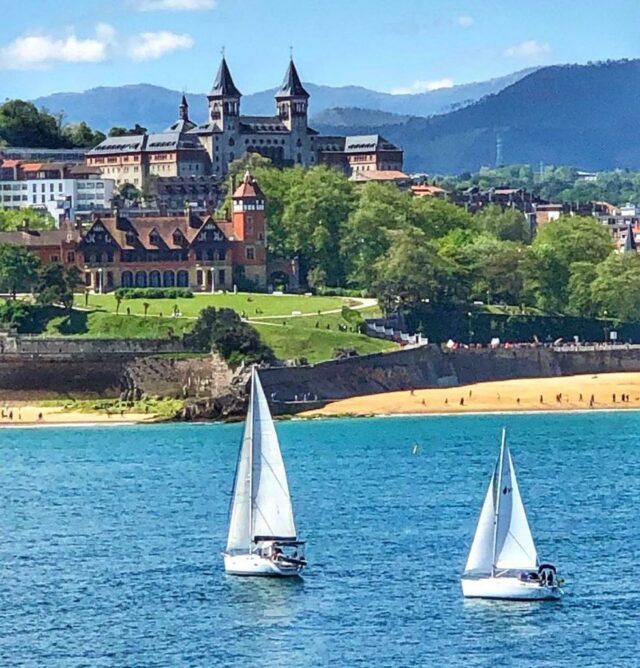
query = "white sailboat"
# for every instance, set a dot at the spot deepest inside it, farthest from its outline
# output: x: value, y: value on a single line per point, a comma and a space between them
x: 503, y: 561
x: 262, y: 536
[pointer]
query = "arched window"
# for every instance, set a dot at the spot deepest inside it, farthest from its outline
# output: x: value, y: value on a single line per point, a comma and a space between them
x: 183, y: 278
x: 126, y: 279
x: 154, y: 279
x: 141, y: 279
x: 231, y: 141
x: 168, y: 279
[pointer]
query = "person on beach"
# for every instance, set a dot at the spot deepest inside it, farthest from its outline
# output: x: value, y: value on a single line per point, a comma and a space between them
x: 541, y: 399
x: 40, y: 418
x: 462, y: 401
x: 614, y: 397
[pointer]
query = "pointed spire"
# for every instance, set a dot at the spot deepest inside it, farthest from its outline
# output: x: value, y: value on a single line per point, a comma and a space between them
x: 291, y: 85
x: 629, y: 241
x: 184, y: 108
x: 223, y: 85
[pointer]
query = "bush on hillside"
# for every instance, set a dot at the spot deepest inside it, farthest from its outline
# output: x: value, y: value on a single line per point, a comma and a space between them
x: 222, y: 330
x: 153, y: 293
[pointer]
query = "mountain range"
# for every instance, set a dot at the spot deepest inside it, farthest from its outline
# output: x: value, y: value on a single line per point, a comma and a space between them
x: 155, y: 107
x: 582, y: 115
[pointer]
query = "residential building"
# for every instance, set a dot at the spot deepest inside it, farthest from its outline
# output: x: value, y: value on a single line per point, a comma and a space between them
x: 361, y: 153
x: 59, y: 189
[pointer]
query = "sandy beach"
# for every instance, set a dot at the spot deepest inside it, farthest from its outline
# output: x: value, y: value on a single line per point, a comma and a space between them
x: 18, y: 414
x: 587, y: 392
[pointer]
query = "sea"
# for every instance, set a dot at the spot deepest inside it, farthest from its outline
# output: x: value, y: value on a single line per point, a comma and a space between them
x: 111, y: 541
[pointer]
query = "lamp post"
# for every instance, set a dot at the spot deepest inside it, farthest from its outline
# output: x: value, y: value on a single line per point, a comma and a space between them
x: 606, y: 326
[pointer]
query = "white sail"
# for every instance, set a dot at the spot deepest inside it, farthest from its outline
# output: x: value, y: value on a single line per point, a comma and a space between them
x: 239, y: 537
x: 272, y: 513
x: 514, y: 543
x: 480, y: 558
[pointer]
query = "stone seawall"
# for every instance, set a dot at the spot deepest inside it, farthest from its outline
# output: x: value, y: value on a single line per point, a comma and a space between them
x: 429, y: 366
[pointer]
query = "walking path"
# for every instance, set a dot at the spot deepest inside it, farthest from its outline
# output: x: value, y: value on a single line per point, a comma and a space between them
x: 362, y: 303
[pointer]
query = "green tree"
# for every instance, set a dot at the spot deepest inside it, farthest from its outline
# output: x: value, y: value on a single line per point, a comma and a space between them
x: 436, y: 218
x: 137, y: 129
x: 556, y: 247
x: 407, y: 272
x: 13, y: 219
x: 505, y: 224
x: 23, y: 124
x: 18, y: 268
x: 81, y: 135
x: 56, y: 284
x: 617, y: 286
x: 580, y: 290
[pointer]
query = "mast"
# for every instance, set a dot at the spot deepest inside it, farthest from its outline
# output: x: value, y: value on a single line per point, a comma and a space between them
x: 251, y: 396
x: 499, y: 488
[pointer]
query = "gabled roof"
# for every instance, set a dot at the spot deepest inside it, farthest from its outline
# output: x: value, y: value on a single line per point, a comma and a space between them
x: 291, y: 84
x: 135, y: 232
x: 248, y: 188
x: 223, y: 85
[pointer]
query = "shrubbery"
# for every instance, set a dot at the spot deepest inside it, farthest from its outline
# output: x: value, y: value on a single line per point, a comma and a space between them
x: 153, y: 293
x: 223, y: 330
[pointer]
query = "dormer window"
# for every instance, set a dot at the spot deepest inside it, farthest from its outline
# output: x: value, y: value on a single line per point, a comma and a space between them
x: 154, y: 238
x: 130, y: 238
x: 177, y: 238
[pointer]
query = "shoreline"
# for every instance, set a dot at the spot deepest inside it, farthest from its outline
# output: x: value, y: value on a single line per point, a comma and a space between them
x: 578, y: 394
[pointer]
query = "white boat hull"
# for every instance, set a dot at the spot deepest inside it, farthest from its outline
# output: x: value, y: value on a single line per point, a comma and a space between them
x: 508, y: 588
x: 254, y: 564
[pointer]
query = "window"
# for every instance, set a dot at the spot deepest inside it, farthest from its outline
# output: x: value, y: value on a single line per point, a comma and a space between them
x: 250, y: 253
x: 55, y: 258
x: 71, y: 256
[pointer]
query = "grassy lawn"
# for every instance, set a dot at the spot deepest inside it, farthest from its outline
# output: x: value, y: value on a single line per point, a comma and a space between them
x: 313, y: 337
x: 98, y: 324
x: 252, y: 305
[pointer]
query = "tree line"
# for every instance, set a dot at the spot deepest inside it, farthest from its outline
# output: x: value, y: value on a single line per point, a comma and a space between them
x: 408, y: 250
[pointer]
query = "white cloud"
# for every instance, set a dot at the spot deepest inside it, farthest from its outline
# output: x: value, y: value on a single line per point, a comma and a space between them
x: 529, y: 49
x: 466, y: 21
x: 41, y: 51
x: 152, y: 45
x: 421, y: 86
x: 174, y: 5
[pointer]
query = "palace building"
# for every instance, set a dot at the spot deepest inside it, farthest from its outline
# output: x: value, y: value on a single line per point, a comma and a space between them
x: 189, y: 149
x: 190, y: 250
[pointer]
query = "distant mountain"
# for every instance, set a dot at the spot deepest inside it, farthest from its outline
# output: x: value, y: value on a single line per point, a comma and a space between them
x: 582, y: 115
x: 156, y: 107
x: 348, y: 116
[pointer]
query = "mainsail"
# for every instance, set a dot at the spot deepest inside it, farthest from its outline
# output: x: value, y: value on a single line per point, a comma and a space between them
x: 503, y: 538
x: 261, y: 501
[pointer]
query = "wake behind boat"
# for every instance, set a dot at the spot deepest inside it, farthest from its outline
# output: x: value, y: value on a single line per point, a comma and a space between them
x: 503, y: 560
x: 262, y: 534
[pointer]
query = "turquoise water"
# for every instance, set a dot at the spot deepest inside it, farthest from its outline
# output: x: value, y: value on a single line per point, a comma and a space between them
x: 110, y: 542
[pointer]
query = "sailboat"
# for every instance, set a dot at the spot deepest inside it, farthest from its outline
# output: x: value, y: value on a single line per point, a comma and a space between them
x: 503, y: 560
x: 262, y: 536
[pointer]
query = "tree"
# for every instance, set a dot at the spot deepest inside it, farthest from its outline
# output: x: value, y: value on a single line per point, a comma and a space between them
x: 580, y: 290
x: 435, y: 217
x: 22, y: 124
x: 617, y: 286
x: 137, y: 129
x: 556, y: 247
x: 505, y: 224
x: 380, y: 208
x: 407, y: 272
x: 13, y: 219
x: 18, y: 268
x: 55, y: 284
x: 81, y: 135
x: 223, y: 330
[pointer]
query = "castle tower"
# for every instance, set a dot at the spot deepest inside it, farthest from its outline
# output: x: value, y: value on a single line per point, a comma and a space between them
x: 183, y: 109
x: 292, y: 101
x: 224, y: 99
x: 250, y: 228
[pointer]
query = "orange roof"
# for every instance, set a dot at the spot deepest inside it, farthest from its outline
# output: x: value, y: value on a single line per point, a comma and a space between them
x: 10, y: 163
x: 248, y: 188
x: 427, y: 191
x: 32, y: 166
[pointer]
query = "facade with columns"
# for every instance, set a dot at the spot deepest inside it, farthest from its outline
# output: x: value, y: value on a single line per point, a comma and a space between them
x: 188, y: 251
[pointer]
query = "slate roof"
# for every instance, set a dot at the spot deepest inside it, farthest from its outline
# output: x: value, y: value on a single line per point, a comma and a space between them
x: 223, y: 85
x: 291, y: 85
x: 128, y: 144
x: 257, y: 124
x: 358, y: 143
x: 629, y: 241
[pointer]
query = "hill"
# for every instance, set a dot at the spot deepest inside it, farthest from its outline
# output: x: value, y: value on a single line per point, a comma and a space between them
x: 156, y: 107
x: 583, y: 115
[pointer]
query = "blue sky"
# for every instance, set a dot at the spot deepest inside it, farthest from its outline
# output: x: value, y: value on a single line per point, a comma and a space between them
x: 49, y: 46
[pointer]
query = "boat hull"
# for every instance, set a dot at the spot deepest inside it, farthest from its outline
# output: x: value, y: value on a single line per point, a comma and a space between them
x: 254, y: 564
x: 508, y: 588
